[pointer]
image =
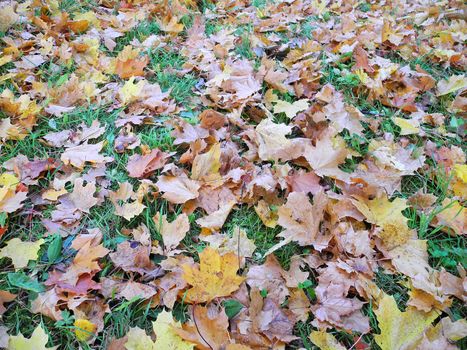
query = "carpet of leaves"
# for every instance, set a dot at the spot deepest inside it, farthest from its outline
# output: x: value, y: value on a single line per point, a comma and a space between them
x: 232, y: 174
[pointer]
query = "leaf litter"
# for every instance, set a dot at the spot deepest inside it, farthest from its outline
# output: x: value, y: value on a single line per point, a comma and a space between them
x: 243, y: 173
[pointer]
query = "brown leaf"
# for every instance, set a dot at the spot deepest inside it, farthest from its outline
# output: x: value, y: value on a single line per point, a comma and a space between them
x: 207, y: 328
x: 177, y: 190
x: 141, y: 166
x: 5, y: 297
x: 172, y: 233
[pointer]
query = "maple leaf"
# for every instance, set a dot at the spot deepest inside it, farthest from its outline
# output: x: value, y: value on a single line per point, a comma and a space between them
x: 46, y: 304
x: 454, y: 83
x: 408, y: 126
x: 271, y: 139
x: 215, y: 220
x: 38, y: 341
x: 301, y: 220
x: 83, y: 195
x: 215, y: 277
x: 129, y: 64
x: 177, y: 189
x: 400, y: 329
x: 325, y: 341
x: 452, y: 215
x: 130, y: 91
x: 85, y: 262
x: 127, y: 203
x: 206, y: 166
x: 21, y: 252
x: 142, y: 166
x: 137, y: 339
x: 208, y: 330
x: 84, y: 329
x: 388, y: 215
x: 166, y: 337
x: 78, y: 156
x: 172, y: 233
x: 290, y: 109
x: 8, y: 17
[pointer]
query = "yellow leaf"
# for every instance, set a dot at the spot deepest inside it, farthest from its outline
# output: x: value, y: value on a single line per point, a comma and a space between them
x: 52, y: 195
x: 453, y: 215
x: 267, y: 216
x: 8, y: 180
x: 290, y: 109
x: 388, y: 215
x: 130, y: 91
x: 215, y: 277
x: 21, y: 252
x: 454, y: 83
x: 84, y: 329
x: 166, y: 338
x: 37, y: 341
x: 400, y: 329
x: 408, y: 126
x: 325, y: 341
x: 139, y: 340
x: 206, y: 166
x: 460, y: 170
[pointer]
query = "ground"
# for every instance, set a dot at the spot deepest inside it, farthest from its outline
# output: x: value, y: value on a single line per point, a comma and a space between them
x: 334, y: 127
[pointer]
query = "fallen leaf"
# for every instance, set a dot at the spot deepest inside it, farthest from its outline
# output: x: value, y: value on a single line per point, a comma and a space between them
x: 166, y: 337
x: 290, y: 109
x: 400, y: 329
x: 208, y: 330
x: 454, y: 83
x: 38, y: 341
x: 177, y: 190
x: 143, y: 166
x: 5, y: 297
x: 215, y: 277
x: 325, y: 341
x: 21, y: 252
x: 84, y: 329
x: 172, y: 232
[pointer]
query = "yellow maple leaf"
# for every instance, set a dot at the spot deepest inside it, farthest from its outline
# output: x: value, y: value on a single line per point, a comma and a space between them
x: 408, y: 126
x: 325, y: 341
x: 166, y: 338
x: 388, y: 215
x: 137, y: 339
x: 84, y: 329
x: 206, y: 166
x: 454, y: 83
x: 21, y: 252
x: 400, y: 329
x: 290, y: 109
x: 8, y: 180
x: 37, y: 341
x: 130, y: 91
x: 215, y: 277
